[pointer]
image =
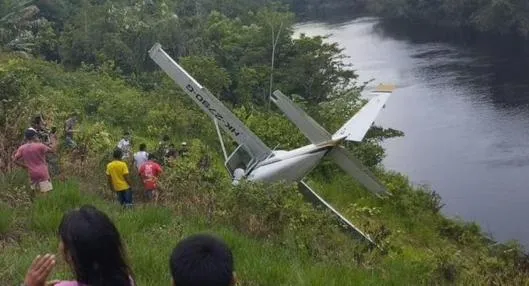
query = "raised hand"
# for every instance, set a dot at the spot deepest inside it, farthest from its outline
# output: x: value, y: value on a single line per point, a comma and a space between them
x: 39, y: 270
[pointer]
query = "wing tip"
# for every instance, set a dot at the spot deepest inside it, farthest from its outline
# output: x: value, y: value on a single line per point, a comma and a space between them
x: 385, y: 88
x: 156, y: 46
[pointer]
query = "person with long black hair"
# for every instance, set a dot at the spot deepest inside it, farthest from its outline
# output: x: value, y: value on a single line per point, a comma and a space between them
x: 91, y: 245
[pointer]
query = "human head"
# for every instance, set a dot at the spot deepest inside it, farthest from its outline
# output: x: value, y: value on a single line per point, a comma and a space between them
x: 202, y: 260
x: 37, y: 122
x: 126, y: 135
x: 92, y: 247
x: 143, y: 147
x: 118, y: 154
x: 31, y: 135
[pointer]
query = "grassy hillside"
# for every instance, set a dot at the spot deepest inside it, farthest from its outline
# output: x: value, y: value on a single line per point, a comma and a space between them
x: 277, y: 238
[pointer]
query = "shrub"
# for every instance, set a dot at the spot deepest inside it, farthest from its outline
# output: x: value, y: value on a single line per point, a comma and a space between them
x: 6, y: 217
x: 194, y: 182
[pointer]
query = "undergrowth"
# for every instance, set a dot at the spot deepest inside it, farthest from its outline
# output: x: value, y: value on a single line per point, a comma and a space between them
x: 277, y: 238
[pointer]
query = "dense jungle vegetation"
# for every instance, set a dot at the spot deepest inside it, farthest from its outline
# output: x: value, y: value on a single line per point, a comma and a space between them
x: 90, y: 56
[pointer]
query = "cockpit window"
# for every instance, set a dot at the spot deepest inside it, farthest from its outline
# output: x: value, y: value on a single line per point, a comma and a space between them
x: 240, y: 158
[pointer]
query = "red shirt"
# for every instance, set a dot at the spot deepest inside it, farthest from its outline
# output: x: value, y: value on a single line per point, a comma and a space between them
x: 34, y: 156
x: 149, y: 172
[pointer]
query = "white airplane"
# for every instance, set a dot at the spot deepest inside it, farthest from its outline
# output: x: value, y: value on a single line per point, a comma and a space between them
x: 260, y: 163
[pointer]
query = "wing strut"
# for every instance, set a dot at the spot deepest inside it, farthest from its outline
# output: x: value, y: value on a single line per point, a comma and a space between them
x: 221, y: 141
x: 316, y: 200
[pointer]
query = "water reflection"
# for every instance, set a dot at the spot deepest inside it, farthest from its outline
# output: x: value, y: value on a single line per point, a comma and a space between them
x: 501, y: 65
x: 463, y: 103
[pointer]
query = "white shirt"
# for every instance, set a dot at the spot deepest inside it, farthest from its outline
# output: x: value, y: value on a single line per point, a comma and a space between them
x: 140, y: 158
x: 237, y: 176
x: 124, y: 145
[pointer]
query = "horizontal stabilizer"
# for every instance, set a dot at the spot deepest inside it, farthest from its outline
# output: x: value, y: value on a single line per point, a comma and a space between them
x: 355, y: 169
x: 316, y: 200
x: 356, y: 128
x: 308, y: 126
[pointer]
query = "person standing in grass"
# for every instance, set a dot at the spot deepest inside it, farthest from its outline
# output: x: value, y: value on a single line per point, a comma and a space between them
x: 141, y: 157
x: 150, y: 172
x: 32, y: 157
x: 118, y: 179
x: 69, y: 130
x: 91, y: 245
x: 163, y: 147
x: 125, y: 145
x: 202, y: 260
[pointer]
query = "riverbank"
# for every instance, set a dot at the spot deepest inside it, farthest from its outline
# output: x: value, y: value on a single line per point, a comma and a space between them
x: 503, y: 23
x: 495, y: 18
x: 278, y: 239
x: 462, y: 107
x: 100, y: 69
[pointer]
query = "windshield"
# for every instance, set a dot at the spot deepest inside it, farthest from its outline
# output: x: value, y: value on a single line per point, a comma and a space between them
x: 240, y: 158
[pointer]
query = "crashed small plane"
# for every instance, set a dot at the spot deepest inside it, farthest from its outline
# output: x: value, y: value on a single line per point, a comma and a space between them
x: 254, y: 161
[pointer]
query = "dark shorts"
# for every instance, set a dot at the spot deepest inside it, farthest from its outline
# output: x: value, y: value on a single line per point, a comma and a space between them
x: 125, y: 198
x: 150, y: 194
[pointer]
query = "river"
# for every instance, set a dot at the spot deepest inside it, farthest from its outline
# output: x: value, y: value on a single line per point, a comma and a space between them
x: 465, y: 113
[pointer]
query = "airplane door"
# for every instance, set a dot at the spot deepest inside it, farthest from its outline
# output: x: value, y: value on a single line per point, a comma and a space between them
x: 240, y: 158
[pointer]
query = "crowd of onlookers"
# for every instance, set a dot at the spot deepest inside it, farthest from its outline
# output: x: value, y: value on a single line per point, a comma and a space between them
x: 38, y: 155
x: 148, y: 165
x: 92, y: 247
x: 89, y: 242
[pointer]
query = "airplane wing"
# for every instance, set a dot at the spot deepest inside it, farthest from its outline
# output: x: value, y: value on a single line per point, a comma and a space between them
x: 210, y: 104
x: 355, y: 169
x: 316, y: 200
x: 308, y: 126
x: 356, y: 128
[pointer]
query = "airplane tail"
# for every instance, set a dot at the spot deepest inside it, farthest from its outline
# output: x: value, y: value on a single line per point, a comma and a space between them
x: 308, y: 126
x: 356, y: 128
x: 354, y: 168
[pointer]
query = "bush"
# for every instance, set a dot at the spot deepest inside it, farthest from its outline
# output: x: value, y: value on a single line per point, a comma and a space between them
x: 264, y: 210
x: 6, y: 217
x: 193, y: 184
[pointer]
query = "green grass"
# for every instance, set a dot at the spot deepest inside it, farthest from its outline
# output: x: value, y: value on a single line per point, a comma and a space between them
x: 277, y: 239
x: 151, y: 232
x: 6, y: 217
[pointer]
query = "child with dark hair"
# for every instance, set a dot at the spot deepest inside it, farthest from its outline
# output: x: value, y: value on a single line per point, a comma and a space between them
x: 118, y: 179
x: 92, y: 247
x: 202, y: 260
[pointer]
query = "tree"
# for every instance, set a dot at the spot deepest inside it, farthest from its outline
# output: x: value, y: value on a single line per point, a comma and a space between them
x: 207, y: 72
x: 314, y: 69
x: 21, y: 26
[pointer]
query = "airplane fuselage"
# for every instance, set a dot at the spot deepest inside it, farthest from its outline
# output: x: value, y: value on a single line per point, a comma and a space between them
x: 290, y: 166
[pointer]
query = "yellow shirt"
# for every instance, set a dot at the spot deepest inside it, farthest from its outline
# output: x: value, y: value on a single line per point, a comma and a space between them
x: 117, y: 171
